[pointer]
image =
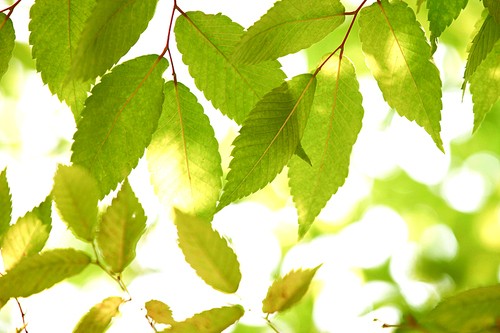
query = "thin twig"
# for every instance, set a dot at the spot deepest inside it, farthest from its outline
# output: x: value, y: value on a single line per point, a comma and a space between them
x: 10, y: 9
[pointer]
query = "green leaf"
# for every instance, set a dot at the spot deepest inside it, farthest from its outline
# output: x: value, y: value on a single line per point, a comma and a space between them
x: 475, y: 310
x: 119, y: 119
x: 44, y: 270
x: 332, y: 130
x: 482, y: 44
x: 207, y: 252
x: 27, y: 236
x: 76, y: 196
x: 268, y: 138
x: 494, y: 9
x: 206, y: 43
x: 398, y: 55
x: 99, y: 317
x: 110, y: 31
x: 121, y: 227
x: 288, y: 27
x: 288, y: 290
x: 8, y: 41
x: 159, y: 312
x: 183, y: 156
x: 419, y: 4
x: 210, y: 321
x: 301, y: 153
x: 441, y: 15
x: 5, y: 203
x: 56, y: 27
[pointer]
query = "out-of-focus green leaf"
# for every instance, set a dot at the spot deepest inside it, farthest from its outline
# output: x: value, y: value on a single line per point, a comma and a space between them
x: 119, y: 119
x: 441, y: 14
x: 8, y: 41
x: 38, y: 272
x: 398, y: 55
x: 159, y: 312
x: 183, y: 156
x: 494, y: 9
x: 5, y: 203
x: 76, y: 196
x: 419, y: 4
x: 288, y: 290
x: 210, y: 321
x: 121, y: 227
x: 207, y: 252
x: 268, y: 138
x: 288, y: 27
x: 206, y: 43
x: 332, y: 130
x: 99, y: 317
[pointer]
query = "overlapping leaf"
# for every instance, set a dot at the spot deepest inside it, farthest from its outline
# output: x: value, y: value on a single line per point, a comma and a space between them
x: 56, y: 27
x: 288, y: 27
x: 210, y: 321
x: 206, y: 42
x: 5, y: 203
x: 76, y: 196
x: 8, y: 41
x: 268, y: 138
x: 441, y: 15
x: 38, y: 272
x: 493, y: 8
x: 121, y: 227
x: 110, y: 31
x: 99, y: 317
x: 119, y: 119
x: 159, y: 312
x: 332, y: 129
x: 207, y: 252
x: 398, y: 55
x: 183, y: 156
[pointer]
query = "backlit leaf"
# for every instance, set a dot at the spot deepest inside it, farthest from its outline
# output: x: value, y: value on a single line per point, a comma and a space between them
x: 207, y: 252
x: 398, y: 55
x: 206, y: 43
x: 121, y: 227
x: 494, y: 9
x: 5, y: 203
x: 332, y: 130
x: 76, y: 196
x: 183, y: 156
x: 56, y: 27
x: 8, y: 41
x: 99, y: 317
x: 268, y: 138
x: 119, y: 119
x: 210, y: 321
x: 159, y: 312
x: 38, y: 272
x: 288, y: 27
x: 288, y: 290
x: 110, y: 31
x: 441, y: 14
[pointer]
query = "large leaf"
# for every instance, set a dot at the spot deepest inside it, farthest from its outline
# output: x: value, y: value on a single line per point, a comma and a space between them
x: 398, y: 55
x: 288, y: 290
x: 206, y: 43
x: 110, y: 31
x: 183, y: 156
x: 5, y: 203
x: 332, y: 130
x: 119, y: 119
x: 207, y: 252
x: 268, y: 138
x: 441, y: 14
x: 8, y: 41
x: 99, y: 317
x: 76, y: 196
x: 287, y: 27
x: 38, y: 272
x: 56, y: 27
x: 159, y: 312
x: 494, y: 9
x: 210, y: 321
x: 121, y: 227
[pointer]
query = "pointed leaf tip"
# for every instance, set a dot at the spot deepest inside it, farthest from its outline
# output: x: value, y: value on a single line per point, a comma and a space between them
x: 99, y: 317
x: 5, y: 203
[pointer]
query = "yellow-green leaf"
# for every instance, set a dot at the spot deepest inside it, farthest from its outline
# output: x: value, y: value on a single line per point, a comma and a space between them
x: 159, y: 312
x: 5, y: 203
x: 8, y: 41
x: 99, y: 317
x: 210, y: 321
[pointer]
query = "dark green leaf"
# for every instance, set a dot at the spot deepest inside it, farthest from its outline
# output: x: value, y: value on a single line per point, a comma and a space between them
x: 98, y: 319
x: 5, y: 203
x: 119, y: 119
x: 159, y: 312
x: 206, y: 42
x: 494, y: 9
x: 288, y: 27
x: 301, y: 153
x: 8, y: 41
x: 210, y: 321
x: 441, y: 14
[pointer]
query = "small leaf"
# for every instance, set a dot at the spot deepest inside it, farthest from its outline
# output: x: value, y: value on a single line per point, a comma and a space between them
x: 494, y: 9
x: 159, y: 312
x: 76, y: 196
x: 5, y: 203
x: 38, y: 272
x: 99, y: 317
x: 110, y: 31
x: 268, y: 138
x: 119, y: 119
x: 288, y: 290
x: 398, y: 55
x: 441, y: 15
x: 207, y: 252
x: 8, y: 41
x: 288, y: 27
x: 210, y: 321
x: 183, y: 156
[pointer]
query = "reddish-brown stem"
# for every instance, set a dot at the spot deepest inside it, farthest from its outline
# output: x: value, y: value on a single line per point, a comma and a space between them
x: 22, y: 315
x: 167, y: 47
x: 10, y: 9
